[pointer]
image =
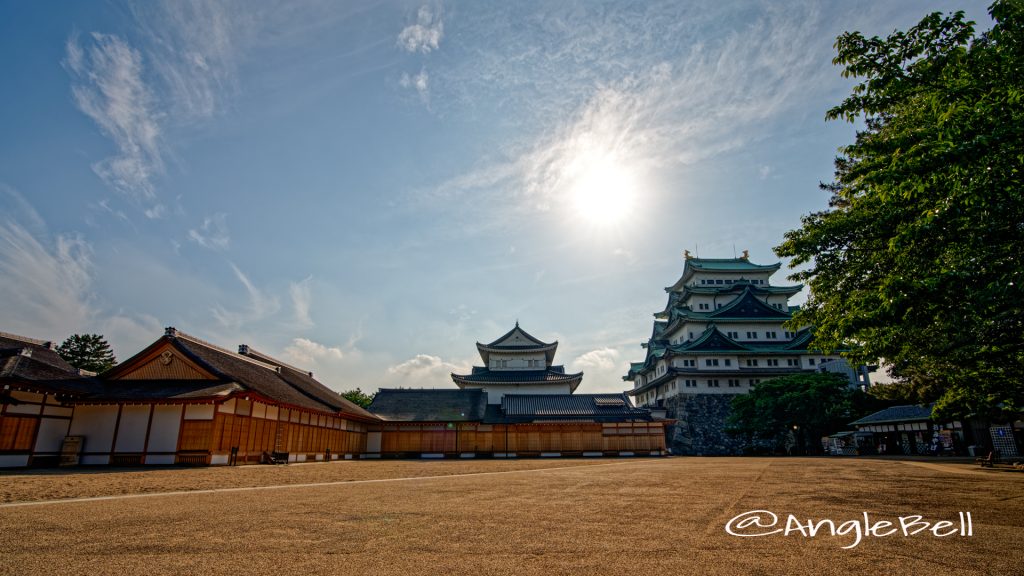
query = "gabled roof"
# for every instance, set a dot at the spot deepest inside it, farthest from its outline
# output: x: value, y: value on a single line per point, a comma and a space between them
x: 712, y: 339
x: 719, y: 265
x: 553, y: 375
x: 429, y: 405
x: 281, y: 383
x: 534, y: 407
x: 747, y: 305
x: 32, y: 364
x: 25, y: 370
x: 517, y: 340
x: 906, y: 413
x: 303, y: 381
x: 42, y: 350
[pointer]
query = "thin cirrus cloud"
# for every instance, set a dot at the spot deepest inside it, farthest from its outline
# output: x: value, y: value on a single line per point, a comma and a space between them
x: 258, y: 305
x: 212, y: 233
x: 109, y: 88
x: 625, y: 91
x: 301, y: 297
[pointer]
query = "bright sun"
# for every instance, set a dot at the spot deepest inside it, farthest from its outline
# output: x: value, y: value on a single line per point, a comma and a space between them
x: 603, y: 191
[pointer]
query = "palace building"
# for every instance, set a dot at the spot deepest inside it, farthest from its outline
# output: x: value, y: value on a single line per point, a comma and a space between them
x: 720, y: 334
x: 517, y: 404
x: 179, y: 401
x: 183, y: 400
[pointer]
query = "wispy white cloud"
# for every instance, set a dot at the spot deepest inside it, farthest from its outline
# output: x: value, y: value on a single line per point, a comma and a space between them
x: 109, y: 88
x: 45, y: 282
x: 629, y: 89
x: 196, y: 48
x: 425, y: 34
x: 301, y: 298
x: 258, y: 305
x: 212, y: 233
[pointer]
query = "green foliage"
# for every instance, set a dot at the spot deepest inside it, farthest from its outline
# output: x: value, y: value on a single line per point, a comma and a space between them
x: 88, y: 352
x: 918, y: 258
x: 357, y: 396
x: 808, y: 406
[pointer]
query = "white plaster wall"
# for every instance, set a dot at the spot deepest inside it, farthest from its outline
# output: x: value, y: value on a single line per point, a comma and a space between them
x: 199, y: 412
x: 517, y: 361
x: 13, y: 460
x: 24, y: 408
x: 96, y: 425
x: 373, y: 442
x: 51, y: 434
x: 163, y: 433
x: 494, y: 393
x: 131, y: 432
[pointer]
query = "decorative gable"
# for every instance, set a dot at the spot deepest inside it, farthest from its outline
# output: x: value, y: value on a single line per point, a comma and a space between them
x: 164, y: 363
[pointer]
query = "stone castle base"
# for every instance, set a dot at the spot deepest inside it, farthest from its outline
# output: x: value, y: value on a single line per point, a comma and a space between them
x: 700, y: 426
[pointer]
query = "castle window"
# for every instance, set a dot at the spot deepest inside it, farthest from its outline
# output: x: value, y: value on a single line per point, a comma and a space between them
x: 752, y: 362
x: 733, y: 335
x: 719, y: 282
x: 773, y: 362
x: 771, y: 334
x: 711, y: 362
x: 712, y: 383
x: 728, y: 362
x: 810, y: 361
x: 734, y: 383
x: 752, y: 335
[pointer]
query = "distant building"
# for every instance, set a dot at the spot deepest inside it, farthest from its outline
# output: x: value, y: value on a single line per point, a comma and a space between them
x: 517, y: 404
x: 518, y: 363
x: 720, y: 334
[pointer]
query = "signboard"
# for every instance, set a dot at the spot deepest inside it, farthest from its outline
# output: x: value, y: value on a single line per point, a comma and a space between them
x: 70, y: 450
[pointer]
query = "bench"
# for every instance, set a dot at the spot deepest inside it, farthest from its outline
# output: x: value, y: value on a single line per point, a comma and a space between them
x: 988, y: 461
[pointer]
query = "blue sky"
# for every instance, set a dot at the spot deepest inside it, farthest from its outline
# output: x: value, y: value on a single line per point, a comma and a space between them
x: 367, y: 189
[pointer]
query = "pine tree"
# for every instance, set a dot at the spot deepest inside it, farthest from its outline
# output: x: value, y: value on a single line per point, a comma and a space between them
x: 87, y: 352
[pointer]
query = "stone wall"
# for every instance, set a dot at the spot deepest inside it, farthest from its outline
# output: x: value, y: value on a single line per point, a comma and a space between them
x: 700, y: 425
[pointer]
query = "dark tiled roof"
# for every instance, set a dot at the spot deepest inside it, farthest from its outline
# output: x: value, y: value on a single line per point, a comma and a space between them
x: 155, y: 390
x: 747, y: 305
x: 553, y: 375
x: 24, y: 367
x: 429, y: 405
x: 42, y: 351
x: 256, y: 376
x: 713, y: 339
x: 908, y: 413
x: 304, y: 382
x: 603, y: 407
x: 531, y: 342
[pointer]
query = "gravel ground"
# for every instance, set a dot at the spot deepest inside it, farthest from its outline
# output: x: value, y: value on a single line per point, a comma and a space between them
x: 577, y: 517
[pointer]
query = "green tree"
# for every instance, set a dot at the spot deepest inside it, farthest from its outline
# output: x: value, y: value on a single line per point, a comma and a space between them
x: 88, y: 352
x: 917, y: 260
x: 808, y: 406
x: 359, y: 397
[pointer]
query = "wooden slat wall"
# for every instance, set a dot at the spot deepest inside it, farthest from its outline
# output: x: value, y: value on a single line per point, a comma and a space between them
x: 398, y: 439
x: 17, y: 433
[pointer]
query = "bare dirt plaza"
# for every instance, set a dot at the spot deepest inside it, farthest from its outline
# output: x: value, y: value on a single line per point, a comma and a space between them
x: 654, y: 516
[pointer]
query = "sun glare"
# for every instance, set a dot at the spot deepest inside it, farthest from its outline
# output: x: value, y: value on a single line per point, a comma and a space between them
x: 604, y: 192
